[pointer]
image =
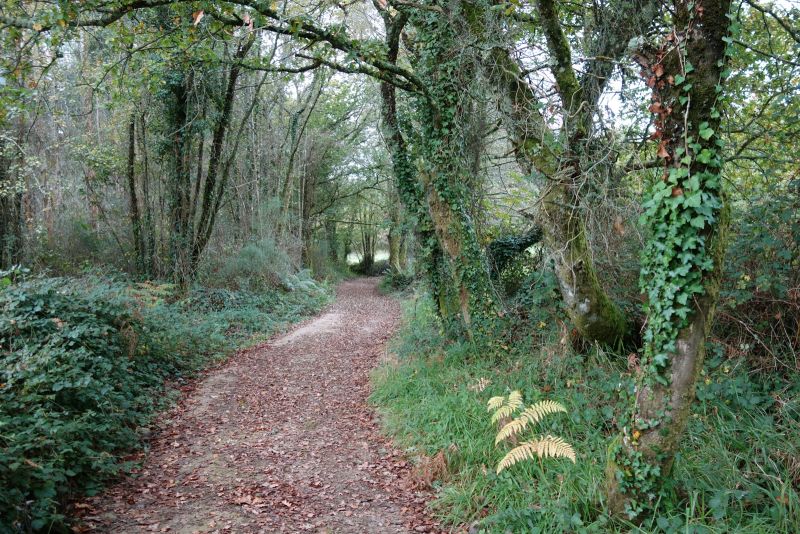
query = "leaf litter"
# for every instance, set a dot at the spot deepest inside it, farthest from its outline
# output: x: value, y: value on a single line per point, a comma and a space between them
x: 278, y: 439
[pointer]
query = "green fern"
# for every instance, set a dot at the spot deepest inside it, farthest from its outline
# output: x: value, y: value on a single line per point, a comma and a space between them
x: 543, y: 447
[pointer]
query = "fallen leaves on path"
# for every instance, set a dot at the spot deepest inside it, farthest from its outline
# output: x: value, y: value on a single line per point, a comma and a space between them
x: 280, y: 439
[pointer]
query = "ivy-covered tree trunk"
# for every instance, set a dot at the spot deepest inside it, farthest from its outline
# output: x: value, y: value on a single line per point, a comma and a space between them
x: 436, y: 224
x: 561, y: 160
x: 682, y: 261
x: 447, y: 66
x: 176, y: 118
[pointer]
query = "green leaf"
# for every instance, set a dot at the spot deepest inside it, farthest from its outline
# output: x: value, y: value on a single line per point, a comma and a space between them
x: 706, y: 133
x: 705, y: 156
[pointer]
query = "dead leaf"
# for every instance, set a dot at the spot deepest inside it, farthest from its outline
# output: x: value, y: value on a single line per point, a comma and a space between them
x: 619, y: 226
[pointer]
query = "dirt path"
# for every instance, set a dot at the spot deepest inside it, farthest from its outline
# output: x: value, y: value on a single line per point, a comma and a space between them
x: 279, y: 440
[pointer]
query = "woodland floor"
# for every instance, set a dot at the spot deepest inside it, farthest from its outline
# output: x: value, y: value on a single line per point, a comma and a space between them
x: 279, y: 439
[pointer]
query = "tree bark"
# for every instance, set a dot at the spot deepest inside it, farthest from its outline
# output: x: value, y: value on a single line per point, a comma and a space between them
x: 136, y: 222
x: 595, y: 316
x: 683, y: 260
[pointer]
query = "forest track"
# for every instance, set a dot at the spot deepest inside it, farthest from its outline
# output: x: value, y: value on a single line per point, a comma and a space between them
x: 279, y: 439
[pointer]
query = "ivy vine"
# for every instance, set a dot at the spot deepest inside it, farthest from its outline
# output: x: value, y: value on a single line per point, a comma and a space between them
x: 681, y: 209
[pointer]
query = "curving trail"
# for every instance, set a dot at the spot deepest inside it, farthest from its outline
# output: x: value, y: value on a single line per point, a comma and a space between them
x: 279, y: 439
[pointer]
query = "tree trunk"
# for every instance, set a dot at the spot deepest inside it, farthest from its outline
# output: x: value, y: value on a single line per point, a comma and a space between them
x: 682, y: 263
x: 333, y: 242
x: 306, y: 225
x: 367, y: 246
x: 11, y: 226
x: 302, y: 116
x: 410, y: 189
x: 136, y: 223
x: 149, y: 237
x: 180, y: 180
x: 592, y: 312
x: 403, y: 253
x: 214, y: 188
x: 467, y: 298
x: 395, y: 235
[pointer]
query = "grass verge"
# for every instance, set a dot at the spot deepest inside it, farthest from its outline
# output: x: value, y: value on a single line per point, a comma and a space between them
x: 738, y: 470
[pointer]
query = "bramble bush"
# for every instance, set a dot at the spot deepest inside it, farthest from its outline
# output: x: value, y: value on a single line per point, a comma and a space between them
x: 83, y: 362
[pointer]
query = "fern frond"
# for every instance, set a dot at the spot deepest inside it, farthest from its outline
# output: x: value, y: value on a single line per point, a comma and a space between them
x: 515, y: 400
x: 494, y: 403
x: 511, y: 428
x: 545, y: 447
x: 502, y: 412
x: 538, y: 411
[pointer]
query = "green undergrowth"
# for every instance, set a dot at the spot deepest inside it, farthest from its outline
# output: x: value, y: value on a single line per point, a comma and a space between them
x: 738, y: 469
x: 85, y: 364
x: 396, y: 282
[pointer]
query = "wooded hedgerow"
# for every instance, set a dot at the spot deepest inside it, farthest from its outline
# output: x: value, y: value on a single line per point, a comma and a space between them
x: 597, y: 203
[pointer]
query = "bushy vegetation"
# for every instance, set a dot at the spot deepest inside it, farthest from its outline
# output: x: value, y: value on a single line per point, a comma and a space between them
x: 85, y: 362
x: 397, y: 281
x: 738, y: 470
x: 255, y: 266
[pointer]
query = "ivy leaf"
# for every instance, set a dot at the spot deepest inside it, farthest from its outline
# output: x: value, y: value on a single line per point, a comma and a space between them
x: 706, y: 133
x: 693, y: 201
x: 705, y: 156
x: 698, y: 222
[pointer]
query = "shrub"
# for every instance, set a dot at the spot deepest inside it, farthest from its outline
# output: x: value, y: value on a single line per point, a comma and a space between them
x: 759, y: 309
x: 73, y: 391
x: 397, y: 280
x: 82, y: 365
x: 256, y: 266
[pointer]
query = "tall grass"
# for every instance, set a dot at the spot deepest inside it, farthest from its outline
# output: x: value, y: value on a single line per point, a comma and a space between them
x: 738, y: 470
